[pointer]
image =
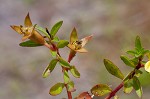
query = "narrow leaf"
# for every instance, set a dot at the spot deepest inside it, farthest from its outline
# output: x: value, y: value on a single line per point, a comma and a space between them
x: 70, y: 86
x: 55, y: 39
x: 132, y: 52
x: 42, y: 30
x: 137, y: 86
x: 135, y: 60
x: 138, y: 43
x: 128, y: 86
x: 62, y: 43
x: 29, y: 43
x: 138, y: 73
x: 66, y: 77
x: 55, y: 28
x: 127, y: 61
x: 113, y: 69
x: 145, y: 52
x: 53, y: 53
x: 74, y: 72
x: 101, y: 89
x: 56, y: 89
x: 63, y: 63
x: 50, y: 68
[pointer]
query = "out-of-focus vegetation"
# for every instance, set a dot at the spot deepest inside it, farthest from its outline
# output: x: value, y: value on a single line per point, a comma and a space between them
x: 114, y: 24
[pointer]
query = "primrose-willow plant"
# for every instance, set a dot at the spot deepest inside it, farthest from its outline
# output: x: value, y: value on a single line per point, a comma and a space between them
x: 39, y: 36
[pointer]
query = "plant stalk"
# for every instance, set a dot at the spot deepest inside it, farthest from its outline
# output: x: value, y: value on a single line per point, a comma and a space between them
x: 130, y: 76
x: 53, y: 47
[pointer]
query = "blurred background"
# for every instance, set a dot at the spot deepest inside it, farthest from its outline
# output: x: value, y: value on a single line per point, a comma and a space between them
x: 114, y: 24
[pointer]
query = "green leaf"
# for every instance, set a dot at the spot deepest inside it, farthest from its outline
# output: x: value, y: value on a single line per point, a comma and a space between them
x: 73, y: 36
x: 138, y: 43
x: 50, y: 68
x: 46, y: 73
x: 66, y: 77
x: 55, y: 28
x: 116, y: 97
x: 128, y: 86
x: 132, y: 52
x: 62, y: 43
x: 70, y: 86
x: 135, y: 60
x: 42, y: 30
x: 145, y: 52
x: 63, y: 62
x: 137, y: 86
x: 138, y: 73
x: 148, y: 55
x: 55, y: 39
x: 53, y: 53
x: 29, y: 43
x: 127, y: 61
x: 100, y: 90
x: 113, y: 69
x: 56, y: 89
x: 74, y: 72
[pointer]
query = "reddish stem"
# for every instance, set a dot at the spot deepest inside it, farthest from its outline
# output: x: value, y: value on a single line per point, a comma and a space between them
x: 69, y: 94
x: 70, y: 57
x: 112, y: 94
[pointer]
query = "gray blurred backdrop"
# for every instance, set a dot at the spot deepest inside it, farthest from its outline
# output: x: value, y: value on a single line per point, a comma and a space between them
x: 114, y: 24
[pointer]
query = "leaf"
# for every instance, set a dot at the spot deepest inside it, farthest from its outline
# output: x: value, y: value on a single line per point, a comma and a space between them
x: 46, y: 73
x: 148, y: 55
x: 113, y: 69
x: 66, y: 77
x: 128, y: 86
x: 62, y: 43
x: 132, y: 52
x: 70, y: 86
x: 84, y: 95
x: 101, y: 89
x: 56, y: 89
x: 55, y: 28
x: 137, y: 86
x: 55, y: 39
x: 53, y: 53
x: 50, y: 68
x: 63, y: 63
x: 135, y: 60
x: 29, y: 43
x: 74, y: 72
x: 138, y: 43
x: 138, y: 73
x: 127, y: 61
x: 42, y: 30
x: 73, y: 36
x: 145, y: 52
x: 116, y: 97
